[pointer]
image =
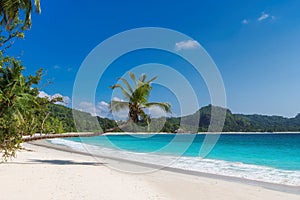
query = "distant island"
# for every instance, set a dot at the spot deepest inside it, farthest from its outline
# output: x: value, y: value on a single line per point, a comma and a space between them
x: 233, y: 122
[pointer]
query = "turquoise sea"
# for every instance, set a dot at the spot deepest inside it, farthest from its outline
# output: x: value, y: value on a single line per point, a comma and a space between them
x: 265, y: 157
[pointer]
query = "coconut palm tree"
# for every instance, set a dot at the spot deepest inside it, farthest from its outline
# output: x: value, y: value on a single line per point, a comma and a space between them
x: 136, y: 99
x: 17, y: 94
x: 21, y: 109
x: 17, y: 99
x: 10, y: 11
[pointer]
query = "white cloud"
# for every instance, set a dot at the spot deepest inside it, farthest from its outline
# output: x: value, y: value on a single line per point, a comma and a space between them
x: 103, y: 103
x: 67, y: 68
x: 245, y: 21
x: 101, y: 109
x: 66, y: 99
x: 117, y: 99
x: 187, y: 44
x: 43, y: 94
x: 87, y: 107
x: 56, y: 67
x: 263, y: 16
x: 122, y: 114
x: 156, y: 111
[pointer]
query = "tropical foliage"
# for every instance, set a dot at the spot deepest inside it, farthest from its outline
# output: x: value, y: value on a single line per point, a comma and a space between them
x: 12, y: 10
x: 21, y: 110
x: 85, y: 123
x: 15, y: 18
x: 136, y: 99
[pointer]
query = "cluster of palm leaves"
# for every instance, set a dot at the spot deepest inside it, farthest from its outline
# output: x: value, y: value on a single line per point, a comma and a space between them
x: 16, y: 97
x: 136, y: 99
x: 15, y: 17
x: 22, y: 111
x: 10, y: 11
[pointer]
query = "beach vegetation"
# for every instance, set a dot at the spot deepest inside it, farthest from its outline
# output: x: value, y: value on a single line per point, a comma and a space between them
x: 22, y: 111
x: 136, y: 97
x: 15, y: 18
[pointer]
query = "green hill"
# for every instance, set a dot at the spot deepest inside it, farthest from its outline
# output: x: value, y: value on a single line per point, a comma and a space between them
x: 233, y: 122
x: 248, y: 123
x: 84, y: 121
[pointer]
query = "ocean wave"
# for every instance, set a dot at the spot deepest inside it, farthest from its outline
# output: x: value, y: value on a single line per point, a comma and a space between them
x: 212, y: 166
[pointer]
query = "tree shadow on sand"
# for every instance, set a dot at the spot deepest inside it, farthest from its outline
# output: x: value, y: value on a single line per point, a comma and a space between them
x: 66, y: 162
x: 58, y: 162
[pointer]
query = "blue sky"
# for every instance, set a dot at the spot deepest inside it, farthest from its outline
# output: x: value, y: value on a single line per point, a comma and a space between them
x: 255, y: 44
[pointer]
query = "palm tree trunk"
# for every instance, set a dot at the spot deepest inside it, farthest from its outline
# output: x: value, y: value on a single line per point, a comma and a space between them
x: 42, y: 127
x: 118, y: 127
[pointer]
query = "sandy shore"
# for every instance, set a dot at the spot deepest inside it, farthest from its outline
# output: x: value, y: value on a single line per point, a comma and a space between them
x: 45, y: 173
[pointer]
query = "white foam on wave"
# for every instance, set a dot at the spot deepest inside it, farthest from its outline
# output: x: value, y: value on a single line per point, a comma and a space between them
x: 219, y: 167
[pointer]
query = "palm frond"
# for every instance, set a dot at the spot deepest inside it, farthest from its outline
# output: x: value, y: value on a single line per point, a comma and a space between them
x: 125, y: 92
x: 141, y: 94
x: 27, y: 6
x: 37, y: 4
x: 10, y: 10
x: 164, y: 106
x: 116, y: 106
x: 143, y: 77
x: 152, y: 79
x: 132, y: 76
x: 127, y: 84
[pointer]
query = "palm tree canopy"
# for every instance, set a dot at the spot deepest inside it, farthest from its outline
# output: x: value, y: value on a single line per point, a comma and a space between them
x: 10, y: 11
x: 137, y: 98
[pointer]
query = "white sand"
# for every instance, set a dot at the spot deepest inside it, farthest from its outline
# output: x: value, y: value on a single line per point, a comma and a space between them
x: 50, y: 174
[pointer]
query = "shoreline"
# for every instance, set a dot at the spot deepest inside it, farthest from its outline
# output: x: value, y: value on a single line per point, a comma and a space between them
x: 201, y: 133
x: 57, y: 172
x: 267, y: 185
x: 92, y: 134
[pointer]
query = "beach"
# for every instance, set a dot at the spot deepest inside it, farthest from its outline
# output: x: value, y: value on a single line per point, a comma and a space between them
x: 40, y: 172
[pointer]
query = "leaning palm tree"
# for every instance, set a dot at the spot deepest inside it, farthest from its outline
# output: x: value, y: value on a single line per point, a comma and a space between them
x: 137, y: 99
